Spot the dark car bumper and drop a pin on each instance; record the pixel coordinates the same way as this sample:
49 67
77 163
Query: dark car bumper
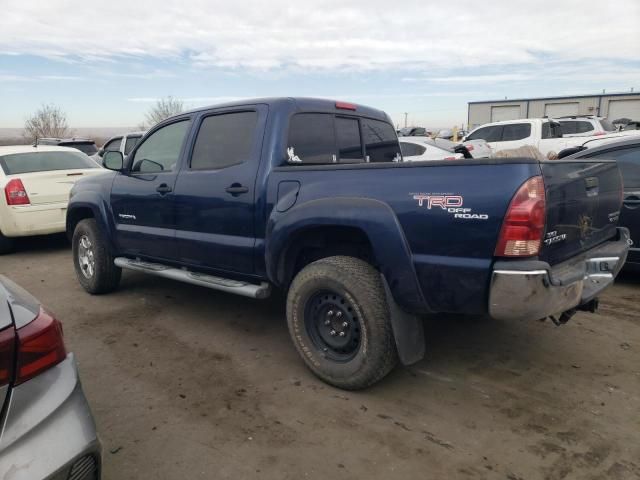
529 290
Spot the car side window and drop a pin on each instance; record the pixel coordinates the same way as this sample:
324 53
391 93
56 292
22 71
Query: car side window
312 139
380 141
224 140
160 151
568 127
130 143
628 160
516 131
113 145
492 133
411 149
583 127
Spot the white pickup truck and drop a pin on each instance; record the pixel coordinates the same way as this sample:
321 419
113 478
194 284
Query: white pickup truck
543 133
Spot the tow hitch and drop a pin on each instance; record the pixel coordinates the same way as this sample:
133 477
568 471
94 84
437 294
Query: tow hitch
590 306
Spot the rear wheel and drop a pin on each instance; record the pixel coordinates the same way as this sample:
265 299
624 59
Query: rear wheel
338 319
93 263
6 244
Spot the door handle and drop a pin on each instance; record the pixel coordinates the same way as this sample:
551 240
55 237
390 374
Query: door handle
632 201
236 189
163 189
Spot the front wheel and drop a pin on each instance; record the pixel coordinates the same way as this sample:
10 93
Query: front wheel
339 321
93 263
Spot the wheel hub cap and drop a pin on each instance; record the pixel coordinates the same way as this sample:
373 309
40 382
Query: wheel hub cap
86 259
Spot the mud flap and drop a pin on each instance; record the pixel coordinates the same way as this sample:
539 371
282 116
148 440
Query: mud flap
408 331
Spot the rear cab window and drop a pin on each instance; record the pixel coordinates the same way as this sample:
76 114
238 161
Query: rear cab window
324 138
19 163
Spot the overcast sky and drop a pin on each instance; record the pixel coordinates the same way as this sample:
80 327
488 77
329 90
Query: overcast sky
105 63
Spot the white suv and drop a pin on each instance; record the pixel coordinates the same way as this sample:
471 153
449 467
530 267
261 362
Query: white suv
584 126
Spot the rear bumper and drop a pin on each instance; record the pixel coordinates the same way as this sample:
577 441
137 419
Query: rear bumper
49 432
27 220
531 290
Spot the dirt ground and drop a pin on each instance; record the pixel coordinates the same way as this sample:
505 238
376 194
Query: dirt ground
186 382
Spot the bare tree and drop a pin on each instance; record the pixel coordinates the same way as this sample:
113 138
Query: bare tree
48 121
163 109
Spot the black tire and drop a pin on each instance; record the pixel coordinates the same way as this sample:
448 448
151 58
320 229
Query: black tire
6 244
353 288
104 276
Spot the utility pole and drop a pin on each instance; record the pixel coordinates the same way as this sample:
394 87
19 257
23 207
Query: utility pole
405 119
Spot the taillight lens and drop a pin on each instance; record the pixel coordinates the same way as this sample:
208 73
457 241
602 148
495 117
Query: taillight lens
469 148
7 354
599 133
16 193
523 225
40 346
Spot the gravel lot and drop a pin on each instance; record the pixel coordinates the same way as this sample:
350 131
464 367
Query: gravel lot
186 382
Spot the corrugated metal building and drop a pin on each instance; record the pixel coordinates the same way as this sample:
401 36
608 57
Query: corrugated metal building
610 105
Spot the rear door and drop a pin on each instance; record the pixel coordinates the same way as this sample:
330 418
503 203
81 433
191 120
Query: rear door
215 191
628 159
583 205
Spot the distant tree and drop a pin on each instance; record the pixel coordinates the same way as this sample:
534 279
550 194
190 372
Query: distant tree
163 109
49 121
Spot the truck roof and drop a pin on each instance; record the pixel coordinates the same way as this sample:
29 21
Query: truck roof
299 103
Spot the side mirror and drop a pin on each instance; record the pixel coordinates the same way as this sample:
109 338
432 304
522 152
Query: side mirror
101 152
113 161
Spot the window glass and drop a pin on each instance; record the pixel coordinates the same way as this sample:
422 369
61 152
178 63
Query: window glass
85 147
44 162
516 131
312 138
113 145
488 134
160 151
224 140
411 149
349 143
628 162
583 127
568 127
381 142
130 143
419 132
551 130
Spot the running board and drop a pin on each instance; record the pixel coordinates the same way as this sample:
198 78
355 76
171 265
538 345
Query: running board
217 283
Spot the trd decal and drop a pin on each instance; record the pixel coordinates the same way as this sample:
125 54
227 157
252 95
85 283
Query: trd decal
449 203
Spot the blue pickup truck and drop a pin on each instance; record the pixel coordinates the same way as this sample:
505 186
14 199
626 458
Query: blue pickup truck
311 197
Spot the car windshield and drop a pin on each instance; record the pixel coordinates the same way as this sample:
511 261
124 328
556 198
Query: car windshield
18 163
85 147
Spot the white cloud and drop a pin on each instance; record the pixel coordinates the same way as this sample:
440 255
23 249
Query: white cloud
359 35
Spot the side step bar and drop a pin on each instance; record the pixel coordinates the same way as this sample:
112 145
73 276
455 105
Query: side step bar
217 283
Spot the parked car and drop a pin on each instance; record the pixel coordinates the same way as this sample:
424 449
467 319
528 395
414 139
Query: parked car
35 182
447 134
585 125
627 154
309 196
85 145
542 133
119 143
419 149
413 132
594 142
47 427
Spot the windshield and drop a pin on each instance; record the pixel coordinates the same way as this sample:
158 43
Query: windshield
44 161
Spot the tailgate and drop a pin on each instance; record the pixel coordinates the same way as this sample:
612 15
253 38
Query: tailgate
583 204
53 186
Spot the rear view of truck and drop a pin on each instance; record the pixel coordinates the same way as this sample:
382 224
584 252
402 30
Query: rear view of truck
559 245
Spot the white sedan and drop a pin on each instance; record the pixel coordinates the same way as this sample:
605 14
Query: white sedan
36 182
416 149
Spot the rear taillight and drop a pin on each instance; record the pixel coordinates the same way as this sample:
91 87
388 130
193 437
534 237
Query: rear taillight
523 225
7 354
599 133
469 147
40 346
16 193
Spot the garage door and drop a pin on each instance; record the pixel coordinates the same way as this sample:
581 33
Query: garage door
555 110
624 109
505 112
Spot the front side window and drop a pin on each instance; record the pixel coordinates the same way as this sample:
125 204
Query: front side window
312 138
113 145
18 163
551 130
349 142
130 143
516 131
224 140
381 142
492 133
160 152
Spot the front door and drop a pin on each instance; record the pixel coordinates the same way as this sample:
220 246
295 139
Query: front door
215 192
142 199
